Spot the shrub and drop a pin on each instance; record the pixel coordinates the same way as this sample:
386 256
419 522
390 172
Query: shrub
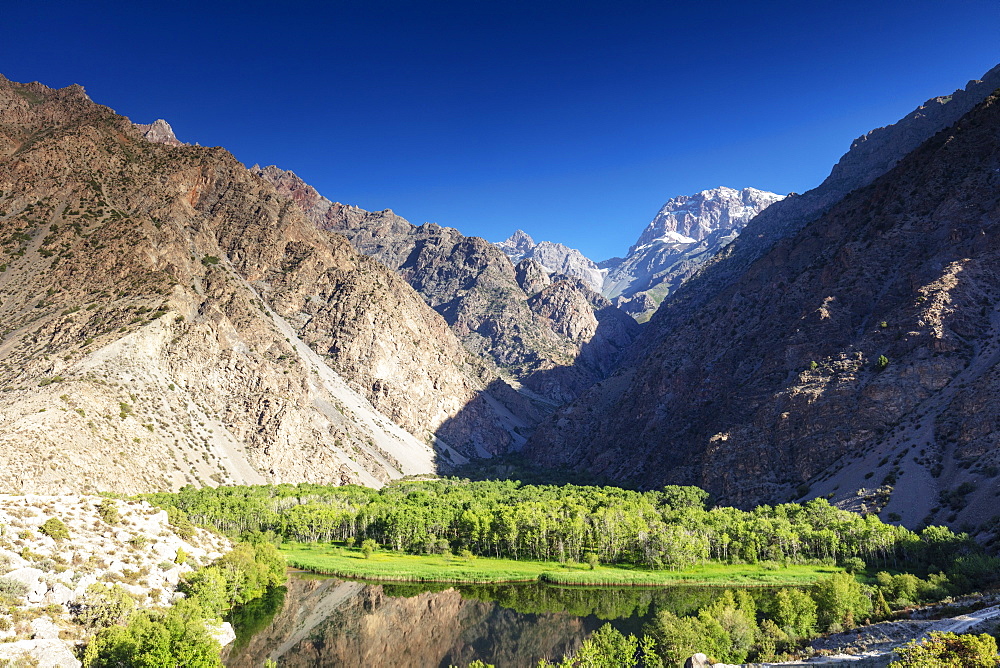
853 565
881 363
174 637
12 588
949 650
368 546
55 529
108 510
103 606
209 260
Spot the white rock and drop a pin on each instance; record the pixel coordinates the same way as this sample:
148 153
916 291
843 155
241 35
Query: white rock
44 628
60 594
46 653
223 632
12 559
29 576
173 576
32 577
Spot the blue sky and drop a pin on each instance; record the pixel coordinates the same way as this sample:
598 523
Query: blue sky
574 121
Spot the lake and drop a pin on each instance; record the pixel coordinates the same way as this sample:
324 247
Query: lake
322 621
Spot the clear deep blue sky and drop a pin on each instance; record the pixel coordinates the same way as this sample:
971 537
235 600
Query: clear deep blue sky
572 120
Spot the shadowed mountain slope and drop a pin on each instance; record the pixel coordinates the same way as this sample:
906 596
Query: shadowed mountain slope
857 357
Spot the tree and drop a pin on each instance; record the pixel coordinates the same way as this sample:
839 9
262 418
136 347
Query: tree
607 648
208 587
840 599
156 639
949 650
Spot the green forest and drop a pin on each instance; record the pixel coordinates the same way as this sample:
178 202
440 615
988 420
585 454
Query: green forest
672 528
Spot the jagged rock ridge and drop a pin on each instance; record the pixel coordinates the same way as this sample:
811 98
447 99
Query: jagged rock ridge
858 357
167 317
548 335
555 258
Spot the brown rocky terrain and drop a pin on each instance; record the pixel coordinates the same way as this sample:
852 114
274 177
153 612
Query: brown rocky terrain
168 317
855 359
551 335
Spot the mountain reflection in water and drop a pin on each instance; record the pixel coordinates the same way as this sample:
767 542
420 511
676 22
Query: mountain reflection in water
319 621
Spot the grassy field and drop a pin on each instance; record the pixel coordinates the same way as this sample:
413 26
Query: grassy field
393 566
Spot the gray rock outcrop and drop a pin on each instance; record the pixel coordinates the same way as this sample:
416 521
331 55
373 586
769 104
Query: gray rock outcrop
554 258
160 132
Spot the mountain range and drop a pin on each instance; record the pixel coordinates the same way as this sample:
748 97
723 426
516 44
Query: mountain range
169 316
686 233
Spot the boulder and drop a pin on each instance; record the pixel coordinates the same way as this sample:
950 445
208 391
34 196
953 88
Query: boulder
44 653
32 577
223 632
44 628
60 594
699 660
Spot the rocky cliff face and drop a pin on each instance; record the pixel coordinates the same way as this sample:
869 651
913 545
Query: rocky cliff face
856 358
686 233
555 259
505 315
167 317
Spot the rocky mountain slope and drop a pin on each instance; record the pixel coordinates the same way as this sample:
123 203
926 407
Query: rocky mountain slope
855 358
168 317
686 233
549 336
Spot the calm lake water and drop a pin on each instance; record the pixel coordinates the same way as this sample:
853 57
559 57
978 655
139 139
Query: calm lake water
320 621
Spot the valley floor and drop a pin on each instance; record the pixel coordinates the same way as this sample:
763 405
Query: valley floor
395 566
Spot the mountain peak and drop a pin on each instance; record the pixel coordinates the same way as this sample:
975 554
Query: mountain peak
159 132
520 242
555 258
699 215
